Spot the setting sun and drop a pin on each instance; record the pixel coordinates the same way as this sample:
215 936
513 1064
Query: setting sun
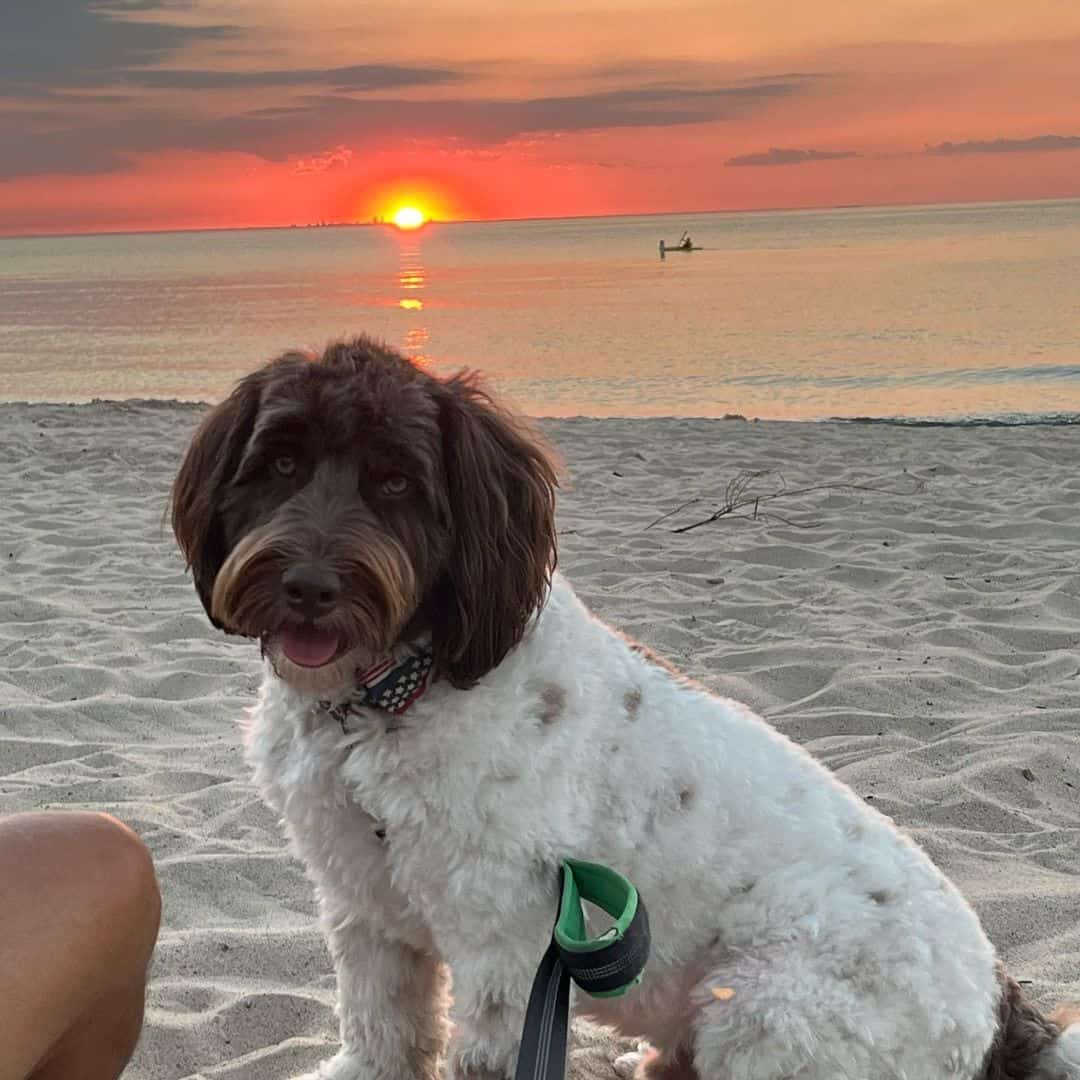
410 200
409 217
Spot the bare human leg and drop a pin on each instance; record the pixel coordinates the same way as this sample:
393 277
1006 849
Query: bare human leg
79 912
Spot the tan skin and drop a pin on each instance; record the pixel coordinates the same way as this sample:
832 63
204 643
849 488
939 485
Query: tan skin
79 912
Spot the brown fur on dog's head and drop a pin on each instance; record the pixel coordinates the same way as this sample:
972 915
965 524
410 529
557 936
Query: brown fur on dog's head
431 507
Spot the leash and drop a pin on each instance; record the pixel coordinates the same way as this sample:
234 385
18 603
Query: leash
604 967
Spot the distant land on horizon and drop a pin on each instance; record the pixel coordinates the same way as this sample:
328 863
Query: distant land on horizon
14 235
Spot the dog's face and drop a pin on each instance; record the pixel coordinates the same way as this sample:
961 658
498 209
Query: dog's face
331 507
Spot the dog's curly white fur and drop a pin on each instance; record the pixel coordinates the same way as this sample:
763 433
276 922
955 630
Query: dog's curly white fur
797 934
849 954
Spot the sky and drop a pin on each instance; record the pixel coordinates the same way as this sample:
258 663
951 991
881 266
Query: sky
161 114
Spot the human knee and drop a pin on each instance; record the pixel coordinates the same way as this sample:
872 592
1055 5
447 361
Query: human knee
117 870
128 862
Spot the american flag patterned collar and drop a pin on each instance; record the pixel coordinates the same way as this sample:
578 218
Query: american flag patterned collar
393 684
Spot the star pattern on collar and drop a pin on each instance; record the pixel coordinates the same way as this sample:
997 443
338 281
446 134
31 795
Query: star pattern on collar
394 684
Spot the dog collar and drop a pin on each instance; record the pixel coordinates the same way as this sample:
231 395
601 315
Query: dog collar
394 684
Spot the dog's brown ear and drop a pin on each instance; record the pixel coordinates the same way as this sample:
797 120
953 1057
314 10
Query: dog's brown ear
502 501
211 460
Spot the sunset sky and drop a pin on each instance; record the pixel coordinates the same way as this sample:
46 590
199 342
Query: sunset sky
155 114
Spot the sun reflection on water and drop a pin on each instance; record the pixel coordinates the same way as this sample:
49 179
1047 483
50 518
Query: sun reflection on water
411 280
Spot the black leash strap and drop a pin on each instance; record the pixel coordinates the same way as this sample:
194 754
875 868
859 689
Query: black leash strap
606 966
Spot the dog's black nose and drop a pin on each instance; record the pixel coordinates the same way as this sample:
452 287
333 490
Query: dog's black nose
310 589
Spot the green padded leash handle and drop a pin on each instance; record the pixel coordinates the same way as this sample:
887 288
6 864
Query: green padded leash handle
606 966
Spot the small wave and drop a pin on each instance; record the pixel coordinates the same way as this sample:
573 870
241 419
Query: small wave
1003 420
948 377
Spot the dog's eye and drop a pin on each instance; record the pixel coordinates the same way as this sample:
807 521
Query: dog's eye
284 465
395 484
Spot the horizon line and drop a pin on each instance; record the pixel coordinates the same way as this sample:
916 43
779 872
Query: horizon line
535 218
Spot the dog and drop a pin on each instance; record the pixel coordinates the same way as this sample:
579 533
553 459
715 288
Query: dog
441 722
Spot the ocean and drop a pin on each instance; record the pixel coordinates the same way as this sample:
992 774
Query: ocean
952 313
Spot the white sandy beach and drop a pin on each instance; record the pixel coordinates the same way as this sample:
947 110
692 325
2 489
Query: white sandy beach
925 645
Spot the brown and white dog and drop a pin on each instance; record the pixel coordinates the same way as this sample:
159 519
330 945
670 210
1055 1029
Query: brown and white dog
442 722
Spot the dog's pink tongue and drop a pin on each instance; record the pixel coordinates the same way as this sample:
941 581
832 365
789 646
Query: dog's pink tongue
309 647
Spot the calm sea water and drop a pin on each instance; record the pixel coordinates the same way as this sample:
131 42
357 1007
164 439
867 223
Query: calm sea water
952 312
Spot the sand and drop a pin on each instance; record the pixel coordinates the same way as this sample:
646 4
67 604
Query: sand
923 643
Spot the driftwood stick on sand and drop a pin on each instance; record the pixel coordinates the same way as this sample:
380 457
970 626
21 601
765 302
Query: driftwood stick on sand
740 493
672 513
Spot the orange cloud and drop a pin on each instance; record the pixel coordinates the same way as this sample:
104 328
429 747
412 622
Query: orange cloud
167 116
337 158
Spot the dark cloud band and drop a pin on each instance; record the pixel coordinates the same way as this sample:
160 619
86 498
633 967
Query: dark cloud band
780 156
1006 146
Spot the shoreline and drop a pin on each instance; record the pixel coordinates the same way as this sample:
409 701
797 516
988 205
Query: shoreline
1018 420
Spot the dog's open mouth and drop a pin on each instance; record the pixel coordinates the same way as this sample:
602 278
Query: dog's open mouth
312 658
308 646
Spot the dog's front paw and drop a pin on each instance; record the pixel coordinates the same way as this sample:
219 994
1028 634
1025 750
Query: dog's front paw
346 1065
477 1062
342 1066
459 1072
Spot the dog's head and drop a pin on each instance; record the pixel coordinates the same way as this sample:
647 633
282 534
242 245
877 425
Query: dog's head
333 506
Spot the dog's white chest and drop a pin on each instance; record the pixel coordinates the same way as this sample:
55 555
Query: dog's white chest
302 766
